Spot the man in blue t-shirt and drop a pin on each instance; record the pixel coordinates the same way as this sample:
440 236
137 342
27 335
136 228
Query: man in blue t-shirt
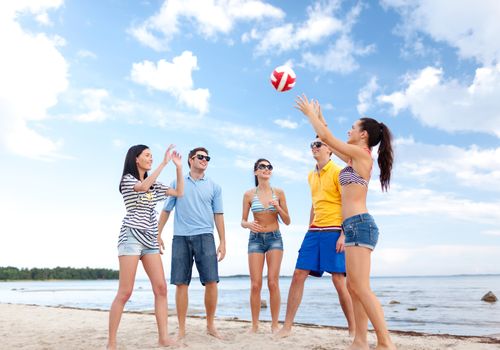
193 241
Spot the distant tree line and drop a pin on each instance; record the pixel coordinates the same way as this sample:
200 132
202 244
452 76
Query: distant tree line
58 273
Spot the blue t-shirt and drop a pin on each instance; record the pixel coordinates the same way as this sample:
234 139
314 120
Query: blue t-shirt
194 211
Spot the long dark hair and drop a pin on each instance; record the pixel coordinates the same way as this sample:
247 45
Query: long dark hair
380 133
255 168
130 165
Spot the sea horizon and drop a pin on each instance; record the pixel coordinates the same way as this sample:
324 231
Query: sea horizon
449 304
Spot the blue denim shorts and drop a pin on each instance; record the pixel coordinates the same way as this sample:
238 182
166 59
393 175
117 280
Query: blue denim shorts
133 247
360 230
262 242
318 253
199 249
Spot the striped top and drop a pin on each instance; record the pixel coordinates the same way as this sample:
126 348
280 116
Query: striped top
257 205
141 213
350 176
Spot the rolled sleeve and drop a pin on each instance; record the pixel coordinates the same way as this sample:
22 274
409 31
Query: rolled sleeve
217 201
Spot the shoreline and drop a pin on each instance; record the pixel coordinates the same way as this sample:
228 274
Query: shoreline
62 327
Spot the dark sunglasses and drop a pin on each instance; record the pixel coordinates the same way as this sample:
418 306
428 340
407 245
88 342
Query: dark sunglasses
201 157
316 144
264 166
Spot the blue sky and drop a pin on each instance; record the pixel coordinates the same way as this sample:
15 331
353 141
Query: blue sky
83 81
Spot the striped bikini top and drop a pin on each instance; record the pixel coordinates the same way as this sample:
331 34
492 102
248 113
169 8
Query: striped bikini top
350 176
257 205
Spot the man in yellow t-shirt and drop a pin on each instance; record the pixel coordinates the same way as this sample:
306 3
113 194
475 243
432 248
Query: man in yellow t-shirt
322 249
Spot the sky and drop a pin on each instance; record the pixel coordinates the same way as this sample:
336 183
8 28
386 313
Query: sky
82 81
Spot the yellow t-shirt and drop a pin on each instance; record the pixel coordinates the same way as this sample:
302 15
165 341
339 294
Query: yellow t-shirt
326 195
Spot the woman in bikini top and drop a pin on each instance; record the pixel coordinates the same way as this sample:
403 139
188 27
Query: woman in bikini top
264 243
359 227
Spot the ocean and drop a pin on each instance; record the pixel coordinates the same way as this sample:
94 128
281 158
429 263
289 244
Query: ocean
435 304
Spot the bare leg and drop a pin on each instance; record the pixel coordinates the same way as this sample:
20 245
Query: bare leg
255 266
358 270
339 282
181 303
154 268
210 306
294 299
274 258
128 268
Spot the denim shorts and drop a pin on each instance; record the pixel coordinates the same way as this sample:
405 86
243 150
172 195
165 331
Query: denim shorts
199 249
318 253
133 247
262 242
360 230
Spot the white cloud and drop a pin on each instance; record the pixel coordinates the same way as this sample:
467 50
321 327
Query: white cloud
469 26
286 123
338 58
319 25
174 78
450 105
470 167
365 96
32 69
93 102
491 232
422 201
209 18
86 54
322 24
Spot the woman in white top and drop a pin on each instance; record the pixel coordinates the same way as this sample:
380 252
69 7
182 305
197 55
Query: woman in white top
138 238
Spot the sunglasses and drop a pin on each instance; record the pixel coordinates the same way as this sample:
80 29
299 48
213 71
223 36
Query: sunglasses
264 166
316 144
201 157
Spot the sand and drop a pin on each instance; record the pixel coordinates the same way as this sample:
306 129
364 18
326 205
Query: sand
39 327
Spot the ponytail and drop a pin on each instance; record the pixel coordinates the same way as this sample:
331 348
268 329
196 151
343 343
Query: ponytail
380 133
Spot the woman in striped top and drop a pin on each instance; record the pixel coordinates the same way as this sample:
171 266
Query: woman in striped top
138 238
361 232
265 242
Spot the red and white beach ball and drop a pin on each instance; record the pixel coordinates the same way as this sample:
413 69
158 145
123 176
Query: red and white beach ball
283 78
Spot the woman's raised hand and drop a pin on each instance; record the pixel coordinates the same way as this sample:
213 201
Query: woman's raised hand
309 108
177 159
168 156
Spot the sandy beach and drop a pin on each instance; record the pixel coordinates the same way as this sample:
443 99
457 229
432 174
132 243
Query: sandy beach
38 327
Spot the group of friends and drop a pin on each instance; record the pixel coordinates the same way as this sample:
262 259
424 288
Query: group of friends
340 239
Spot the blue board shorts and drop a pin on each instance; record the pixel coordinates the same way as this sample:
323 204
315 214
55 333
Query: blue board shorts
360 231
318 253
199 249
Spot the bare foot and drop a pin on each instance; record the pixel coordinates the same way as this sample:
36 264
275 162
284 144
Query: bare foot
180 335
111 346
386 347
214 332
253 330
275 329
358 346
167 342
283 332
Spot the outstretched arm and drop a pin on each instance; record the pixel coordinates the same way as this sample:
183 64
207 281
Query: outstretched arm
178 191
310 110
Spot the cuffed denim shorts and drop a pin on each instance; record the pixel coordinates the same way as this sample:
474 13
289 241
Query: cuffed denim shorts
199 249
133 247
318 253
360 230
262 242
